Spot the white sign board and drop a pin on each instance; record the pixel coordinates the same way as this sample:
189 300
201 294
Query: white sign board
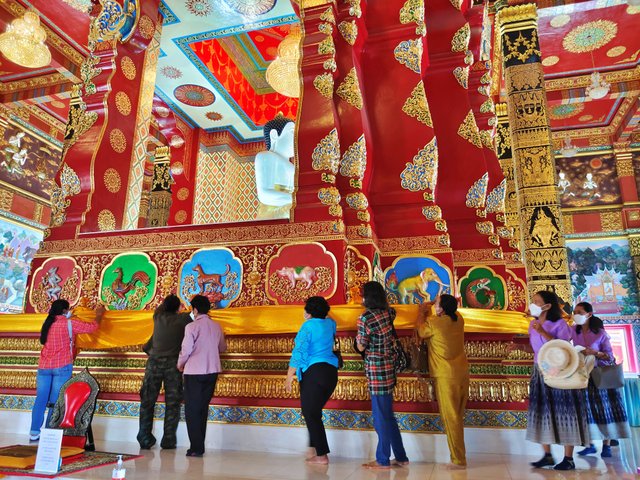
48 456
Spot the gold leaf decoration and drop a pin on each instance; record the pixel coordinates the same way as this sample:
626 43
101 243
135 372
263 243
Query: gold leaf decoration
462 76
487 141
106 221
478 192
460 40
409 54
469 130
324 84
327 16
349 89
326 155
326 47
457 4
325 28
487 106
354 160
417 106
357 201
413 11
349 31
486 78
432 213
422 173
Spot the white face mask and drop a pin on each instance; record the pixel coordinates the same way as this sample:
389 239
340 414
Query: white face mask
535 310
68 314
193 317
580 319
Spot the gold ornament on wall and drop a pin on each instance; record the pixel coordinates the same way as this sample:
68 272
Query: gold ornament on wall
590 36
128 68
326 155
460 40
183 194
409 54
123 104
326 47
422 173
69 186
417 106
117 140
323 83
23 42
180 216
106 221
146 27
413 12
349 90
478 192
112 181
349 31
469 130
354 160
462 76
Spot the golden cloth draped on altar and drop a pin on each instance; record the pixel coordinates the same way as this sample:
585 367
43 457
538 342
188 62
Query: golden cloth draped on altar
132 327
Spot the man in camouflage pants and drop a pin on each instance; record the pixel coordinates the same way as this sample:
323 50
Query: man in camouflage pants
163 349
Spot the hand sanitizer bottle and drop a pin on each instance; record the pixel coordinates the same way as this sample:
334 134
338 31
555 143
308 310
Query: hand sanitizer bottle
119 472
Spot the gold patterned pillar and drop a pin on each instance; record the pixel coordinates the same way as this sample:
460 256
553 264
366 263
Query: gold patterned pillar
545 254
160 197
634 246
507 165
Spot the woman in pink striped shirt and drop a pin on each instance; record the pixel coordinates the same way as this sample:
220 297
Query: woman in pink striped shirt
199 360
56 359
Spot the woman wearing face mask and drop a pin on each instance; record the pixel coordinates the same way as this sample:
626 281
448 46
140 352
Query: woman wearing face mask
199 360
56 359
316 367
606 414
555 416
444 333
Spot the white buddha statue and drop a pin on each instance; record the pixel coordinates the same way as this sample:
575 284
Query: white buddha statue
275 173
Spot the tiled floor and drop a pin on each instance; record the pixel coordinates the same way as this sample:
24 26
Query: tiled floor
172 464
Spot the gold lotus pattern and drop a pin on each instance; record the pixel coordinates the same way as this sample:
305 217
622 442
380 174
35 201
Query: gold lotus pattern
354 160
409 54
326 155
422 173
469 130
349 31
417 106
478 192
323 83
349 89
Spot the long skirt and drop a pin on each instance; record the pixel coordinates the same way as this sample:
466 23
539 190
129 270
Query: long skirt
556 416
606 414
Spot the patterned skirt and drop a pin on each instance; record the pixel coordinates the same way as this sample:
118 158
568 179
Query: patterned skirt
606 414
556 416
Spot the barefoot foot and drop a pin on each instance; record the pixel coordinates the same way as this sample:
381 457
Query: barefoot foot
318 460
376 466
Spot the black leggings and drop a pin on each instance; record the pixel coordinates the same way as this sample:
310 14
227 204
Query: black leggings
316 387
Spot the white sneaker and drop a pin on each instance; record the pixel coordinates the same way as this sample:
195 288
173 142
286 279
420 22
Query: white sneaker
34 438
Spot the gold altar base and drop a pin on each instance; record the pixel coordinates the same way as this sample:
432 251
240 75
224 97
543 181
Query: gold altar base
257 359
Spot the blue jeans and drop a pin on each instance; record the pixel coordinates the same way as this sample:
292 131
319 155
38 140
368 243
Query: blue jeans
49 381
384 421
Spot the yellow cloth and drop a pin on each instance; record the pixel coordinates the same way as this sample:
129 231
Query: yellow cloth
24 456
133 327
445 342
452 400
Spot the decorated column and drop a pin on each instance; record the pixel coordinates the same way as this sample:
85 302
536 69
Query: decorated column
535 173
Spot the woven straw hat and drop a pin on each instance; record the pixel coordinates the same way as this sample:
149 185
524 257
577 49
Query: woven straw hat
558 359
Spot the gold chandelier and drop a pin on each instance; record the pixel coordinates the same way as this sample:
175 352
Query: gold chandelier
283 73
23 42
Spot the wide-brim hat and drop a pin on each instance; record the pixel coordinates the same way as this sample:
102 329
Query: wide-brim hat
558 359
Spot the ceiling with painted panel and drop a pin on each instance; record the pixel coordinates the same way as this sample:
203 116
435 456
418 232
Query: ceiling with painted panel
577 39
214 55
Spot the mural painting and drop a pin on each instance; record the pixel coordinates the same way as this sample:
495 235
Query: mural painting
215 273
300 271
57 277
19 244
481 287
417 279
588 180
602 274
27 162
128 282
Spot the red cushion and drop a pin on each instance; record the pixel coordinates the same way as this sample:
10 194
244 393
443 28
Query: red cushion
69 441
74 397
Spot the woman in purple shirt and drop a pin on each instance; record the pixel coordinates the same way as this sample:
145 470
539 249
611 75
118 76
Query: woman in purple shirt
199 360
555 416
605 410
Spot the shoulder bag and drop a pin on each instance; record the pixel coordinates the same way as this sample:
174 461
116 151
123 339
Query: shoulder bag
401 359
337 353
418 353
608 377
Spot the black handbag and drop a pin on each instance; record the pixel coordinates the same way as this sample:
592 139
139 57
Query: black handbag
337 353
608 377
401 359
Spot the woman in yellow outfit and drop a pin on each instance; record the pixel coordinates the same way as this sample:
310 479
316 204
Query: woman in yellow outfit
444 333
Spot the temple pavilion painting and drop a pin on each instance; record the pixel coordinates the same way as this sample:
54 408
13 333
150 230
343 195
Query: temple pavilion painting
19 244
602 274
